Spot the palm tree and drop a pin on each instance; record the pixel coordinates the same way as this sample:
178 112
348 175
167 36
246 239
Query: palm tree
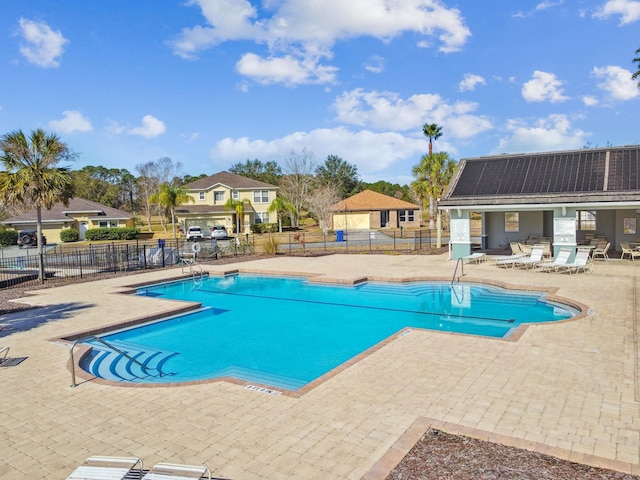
282 206
238 206
30 175
432 174
434 132
171 197
636 76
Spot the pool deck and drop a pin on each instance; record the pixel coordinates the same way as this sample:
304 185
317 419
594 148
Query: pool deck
570 389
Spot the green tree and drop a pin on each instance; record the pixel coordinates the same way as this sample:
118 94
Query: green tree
386 188
170 198
434 132
338 173
269 172
31 174
636 76
238 206
432 175
281 206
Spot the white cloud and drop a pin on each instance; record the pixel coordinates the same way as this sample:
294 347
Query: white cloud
72 121
371 152
546 134
299 33
388 111
114 128
589 100
151 128
287 70
543 86
629 10
616 82
375 64
470 81
42 46
547 4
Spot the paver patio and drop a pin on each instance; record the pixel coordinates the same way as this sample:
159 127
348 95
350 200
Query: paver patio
569 389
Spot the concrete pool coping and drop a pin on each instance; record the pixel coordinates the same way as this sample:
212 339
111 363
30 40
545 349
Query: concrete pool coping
570 389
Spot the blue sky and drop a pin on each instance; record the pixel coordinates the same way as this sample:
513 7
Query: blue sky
210 83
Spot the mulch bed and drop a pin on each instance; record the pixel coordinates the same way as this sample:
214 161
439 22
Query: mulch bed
439 455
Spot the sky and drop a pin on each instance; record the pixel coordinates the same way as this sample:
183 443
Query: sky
210 83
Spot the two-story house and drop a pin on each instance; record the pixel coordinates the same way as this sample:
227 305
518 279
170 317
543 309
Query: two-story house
211 194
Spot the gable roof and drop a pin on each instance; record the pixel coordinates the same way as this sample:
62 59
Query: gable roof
576 176
369 200
227 179
60 213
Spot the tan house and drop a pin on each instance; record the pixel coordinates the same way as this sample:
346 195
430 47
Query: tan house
371 210
210 195
80 214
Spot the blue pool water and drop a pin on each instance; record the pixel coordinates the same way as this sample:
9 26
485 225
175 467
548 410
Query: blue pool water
286 332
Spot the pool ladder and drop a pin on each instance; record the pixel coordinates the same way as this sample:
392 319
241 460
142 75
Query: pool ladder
109 346
195 269
459 262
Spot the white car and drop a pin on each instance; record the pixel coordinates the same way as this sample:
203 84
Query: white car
194 234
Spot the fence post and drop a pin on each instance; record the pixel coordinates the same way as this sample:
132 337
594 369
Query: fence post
79 261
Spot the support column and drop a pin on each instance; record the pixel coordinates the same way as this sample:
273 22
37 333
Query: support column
564 230
460 234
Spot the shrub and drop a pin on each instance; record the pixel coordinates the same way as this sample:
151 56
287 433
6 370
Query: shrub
264 227
119 233
69 235
8 236
270 245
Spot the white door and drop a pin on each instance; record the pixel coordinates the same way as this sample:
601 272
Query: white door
84 226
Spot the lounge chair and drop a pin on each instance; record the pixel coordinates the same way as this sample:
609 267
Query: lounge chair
561 259
106 468
582 261
475 258
4 350
173 471
601 251
536 257
627 250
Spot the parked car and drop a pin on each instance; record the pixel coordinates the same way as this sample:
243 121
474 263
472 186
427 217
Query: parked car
29 238
194 234
218 231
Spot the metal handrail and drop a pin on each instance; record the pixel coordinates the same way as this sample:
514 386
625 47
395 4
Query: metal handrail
460 261
108 345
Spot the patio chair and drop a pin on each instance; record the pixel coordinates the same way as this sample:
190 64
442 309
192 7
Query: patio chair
4 350
561 259
534 258
627 250
174 471
601 251
106 468
582 262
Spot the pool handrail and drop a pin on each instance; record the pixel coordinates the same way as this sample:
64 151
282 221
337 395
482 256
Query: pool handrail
460 261
111 347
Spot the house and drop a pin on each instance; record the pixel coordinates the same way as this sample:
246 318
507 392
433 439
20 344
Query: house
369 209
80 214
567 196
210 195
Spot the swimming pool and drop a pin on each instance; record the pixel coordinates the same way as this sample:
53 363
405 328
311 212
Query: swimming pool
287 332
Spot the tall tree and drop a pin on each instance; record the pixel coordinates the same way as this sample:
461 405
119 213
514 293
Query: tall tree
269 172
238 206
636 76
31 174
335 171
432 175
169 197
320 203
434 132
281 206
298 179
152 175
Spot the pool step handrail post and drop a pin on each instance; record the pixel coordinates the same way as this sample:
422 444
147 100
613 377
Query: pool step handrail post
459 262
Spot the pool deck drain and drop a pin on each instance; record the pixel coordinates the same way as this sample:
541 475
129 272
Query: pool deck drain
569 389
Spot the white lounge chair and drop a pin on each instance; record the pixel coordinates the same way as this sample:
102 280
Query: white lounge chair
627 250
601 251
475 258
561 259
106 468
537 253
174 471
4 350
582 261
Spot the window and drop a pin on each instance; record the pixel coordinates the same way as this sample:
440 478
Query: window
218 196
235 194
261 196
586 220
406 215
511 222
203 195
261 217
107 224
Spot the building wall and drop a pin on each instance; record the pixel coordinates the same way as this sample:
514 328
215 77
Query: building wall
351 221
531 223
